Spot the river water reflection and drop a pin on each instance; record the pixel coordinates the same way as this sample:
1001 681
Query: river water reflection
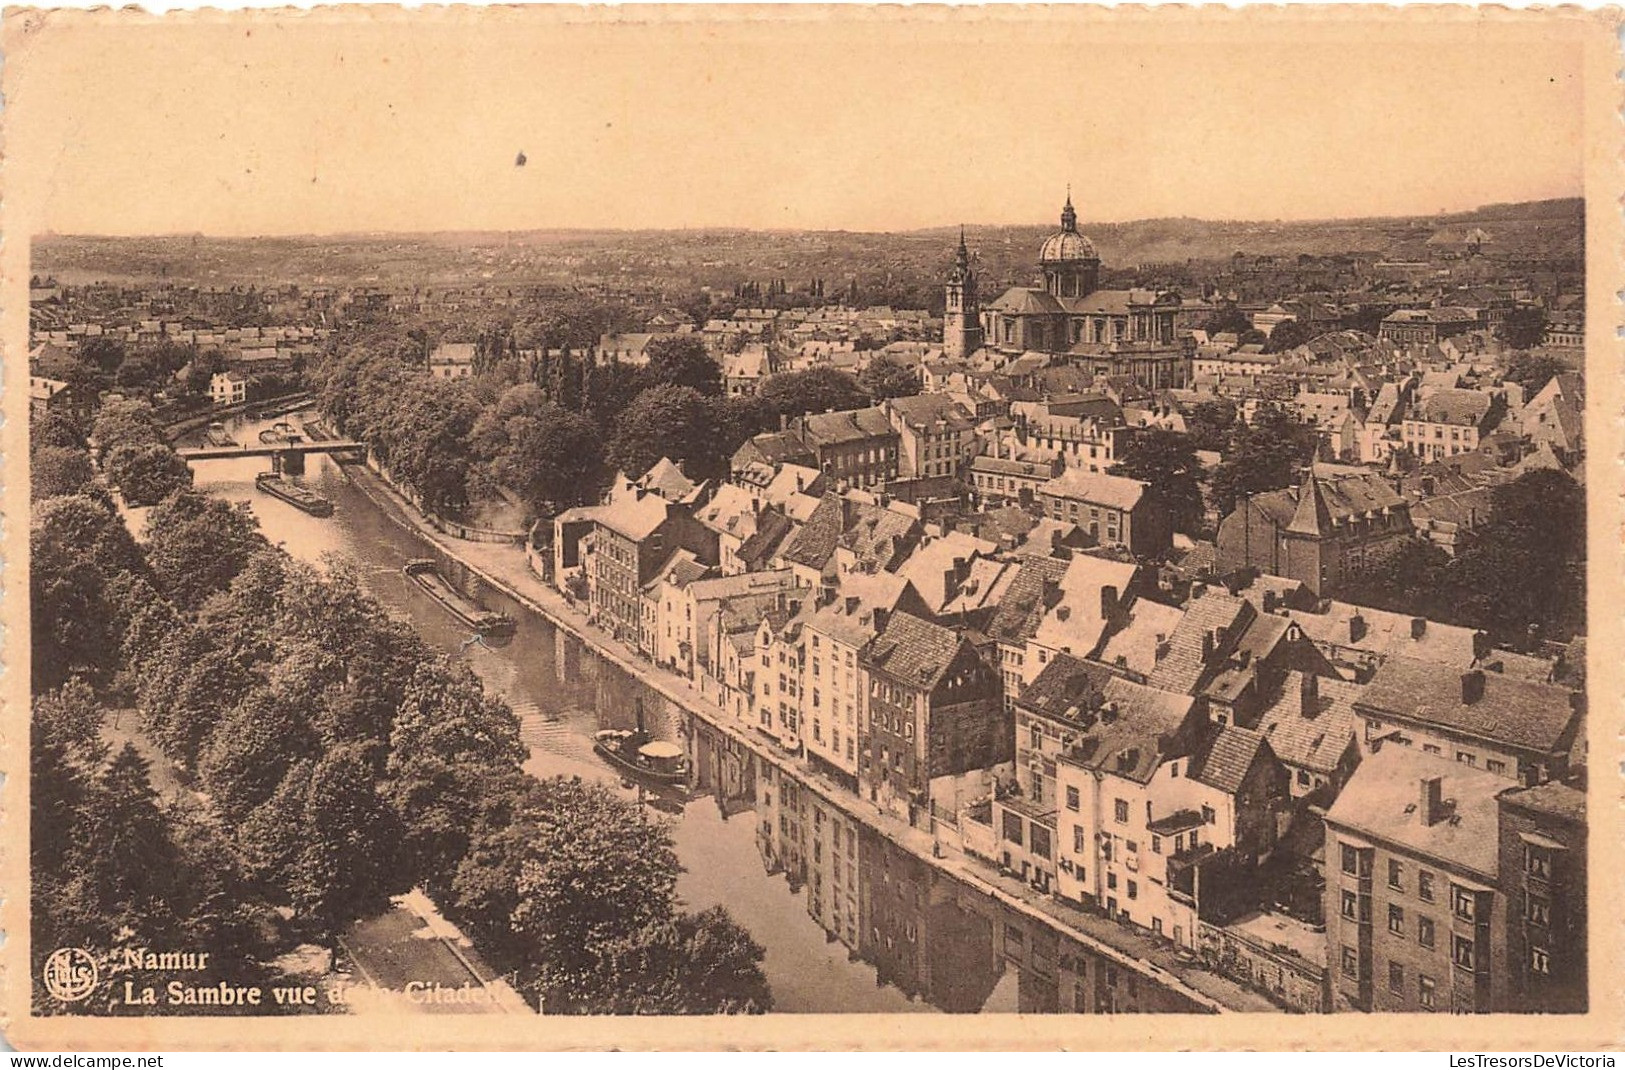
850 923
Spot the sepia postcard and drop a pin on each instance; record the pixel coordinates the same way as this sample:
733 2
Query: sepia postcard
812 527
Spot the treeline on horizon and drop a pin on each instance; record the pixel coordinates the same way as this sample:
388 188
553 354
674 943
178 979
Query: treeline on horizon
313 758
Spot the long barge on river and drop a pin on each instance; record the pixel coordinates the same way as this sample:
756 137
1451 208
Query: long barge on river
301 498
426 574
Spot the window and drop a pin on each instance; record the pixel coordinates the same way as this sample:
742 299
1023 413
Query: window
1072 799
1537 862
1426 991
1538 910
1133 890
1424 931
1461 951
1208 816
1396 977
1351 860
1037 736
1463 903
1466 758
1111 881
1540 961
1351 962
1396 874
1396 919
1431 748
1495 766
1120 811
1424 885
1351 904
1156 845
1012 827
1077 841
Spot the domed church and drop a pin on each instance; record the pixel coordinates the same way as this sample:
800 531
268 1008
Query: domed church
1110 332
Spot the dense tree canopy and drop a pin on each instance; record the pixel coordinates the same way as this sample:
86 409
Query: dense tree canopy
884 378
813 390
1166 461
667 421
146 475
1524 327
1288 334
1520 577
682 360
1269 454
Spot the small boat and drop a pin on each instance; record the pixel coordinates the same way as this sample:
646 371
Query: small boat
639 755
287 490
217 435
426 574
279 434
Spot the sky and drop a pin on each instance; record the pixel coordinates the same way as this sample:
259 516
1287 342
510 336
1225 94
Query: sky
857 120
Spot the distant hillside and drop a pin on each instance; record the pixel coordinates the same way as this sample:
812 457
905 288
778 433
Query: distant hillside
720 258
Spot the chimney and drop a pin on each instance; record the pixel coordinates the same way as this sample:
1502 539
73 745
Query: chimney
1309 692
1356 628
1419 627
1472 686
851 604
784 421
1207 646
1163 646
881 618
1108 602
1430 808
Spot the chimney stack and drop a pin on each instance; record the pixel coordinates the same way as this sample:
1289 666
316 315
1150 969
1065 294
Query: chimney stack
1309 693
1356 628
1108 602
1430 808
1419 627
1472 686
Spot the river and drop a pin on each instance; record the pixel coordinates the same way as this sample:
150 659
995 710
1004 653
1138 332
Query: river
847 924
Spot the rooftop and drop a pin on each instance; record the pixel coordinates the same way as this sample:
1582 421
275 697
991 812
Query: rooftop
1510 711
1383 800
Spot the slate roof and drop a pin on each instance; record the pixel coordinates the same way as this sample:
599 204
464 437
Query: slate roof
1387 634
772 527
1136 641
1181 670
1459 408
1066 685
1096 488
680 570
1512 712
853 425
1381 801
814 543
1552 799
928 566
1313 737
923 411
635 517
1223 758
877 534
913 651
1143 732
1025 301
1019 614
1343 498
780 447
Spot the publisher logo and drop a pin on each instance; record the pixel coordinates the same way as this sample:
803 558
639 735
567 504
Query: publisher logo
70 974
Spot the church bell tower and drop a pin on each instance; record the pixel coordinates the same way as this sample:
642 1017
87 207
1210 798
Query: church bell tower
962 314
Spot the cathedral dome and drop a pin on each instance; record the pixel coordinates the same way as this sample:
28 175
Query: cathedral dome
1067 245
